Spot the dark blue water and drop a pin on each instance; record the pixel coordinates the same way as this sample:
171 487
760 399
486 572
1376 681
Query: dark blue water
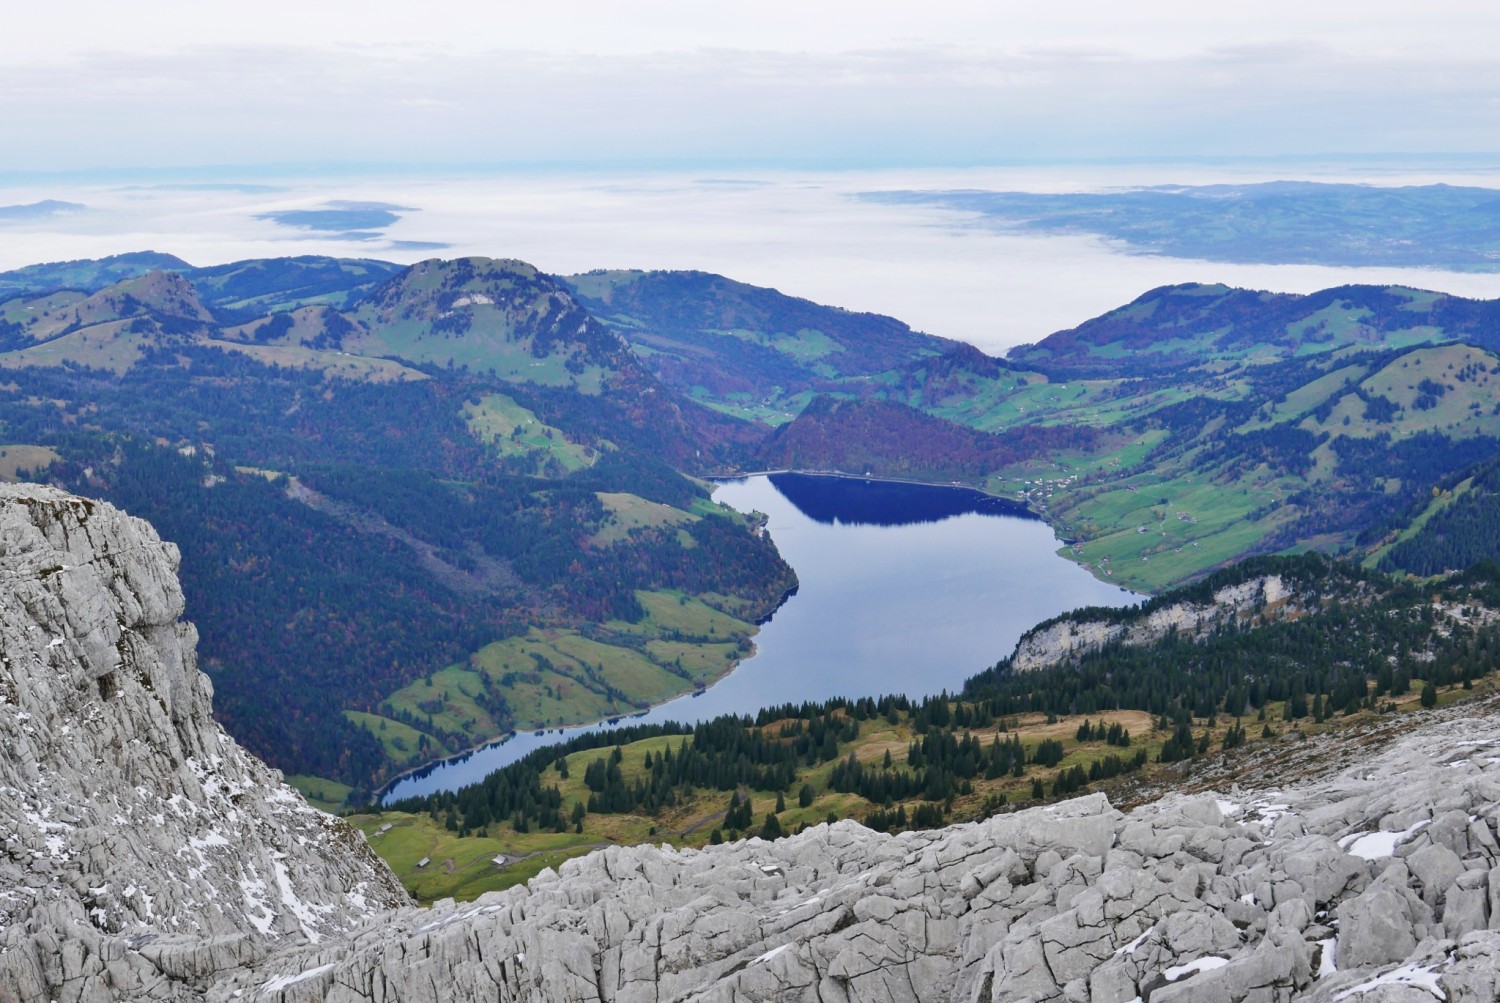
903 589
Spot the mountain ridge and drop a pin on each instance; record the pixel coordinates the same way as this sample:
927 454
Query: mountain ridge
1332 438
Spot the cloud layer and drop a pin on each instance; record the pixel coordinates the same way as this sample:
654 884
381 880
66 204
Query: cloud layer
675 83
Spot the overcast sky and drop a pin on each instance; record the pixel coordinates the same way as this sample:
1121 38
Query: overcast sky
102 85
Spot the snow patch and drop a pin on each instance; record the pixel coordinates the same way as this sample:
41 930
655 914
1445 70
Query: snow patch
306 916
280 982
1326 967
1265 812
1206 964
214 838
1407 975
770 954
1379 845
254 891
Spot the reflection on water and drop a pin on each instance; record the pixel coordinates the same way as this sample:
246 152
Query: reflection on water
903 589
861 501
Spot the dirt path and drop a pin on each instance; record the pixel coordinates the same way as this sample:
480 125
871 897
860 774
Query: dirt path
702 822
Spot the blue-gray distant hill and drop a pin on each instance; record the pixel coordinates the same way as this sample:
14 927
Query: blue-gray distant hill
86 275
37 210
1277 222
236 291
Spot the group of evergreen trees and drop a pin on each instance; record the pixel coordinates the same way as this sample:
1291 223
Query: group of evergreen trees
1363 638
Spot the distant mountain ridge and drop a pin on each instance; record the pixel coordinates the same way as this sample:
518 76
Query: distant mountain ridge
235 290
1188 325
1275 222
725 341
87 274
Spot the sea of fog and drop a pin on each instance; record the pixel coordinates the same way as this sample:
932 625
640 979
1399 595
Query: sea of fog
803 233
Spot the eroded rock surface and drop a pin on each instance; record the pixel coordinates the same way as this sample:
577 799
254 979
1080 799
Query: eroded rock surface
1378 884
1067 639
147 857
141 850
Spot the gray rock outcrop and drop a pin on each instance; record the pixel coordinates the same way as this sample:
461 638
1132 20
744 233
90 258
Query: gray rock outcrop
141 850
146 856
1066 639
1319 892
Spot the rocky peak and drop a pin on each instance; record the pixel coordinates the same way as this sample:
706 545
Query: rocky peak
166 294
482 312
127 815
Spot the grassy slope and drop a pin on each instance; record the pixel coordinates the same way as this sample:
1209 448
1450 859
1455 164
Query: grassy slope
512 430
552 677
22 457
1198 511
628 511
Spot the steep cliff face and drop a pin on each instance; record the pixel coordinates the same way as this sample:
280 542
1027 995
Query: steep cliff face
1065 639
146 857
140 847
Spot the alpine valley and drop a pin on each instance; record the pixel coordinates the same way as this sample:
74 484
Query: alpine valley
420 507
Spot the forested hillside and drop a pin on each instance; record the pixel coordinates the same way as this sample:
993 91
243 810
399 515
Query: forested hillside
752 352
886 438
1189 325
393 560
1457 525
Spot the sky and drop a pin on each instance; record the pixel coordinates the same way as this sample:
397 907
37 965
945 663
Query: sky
99 86
580 134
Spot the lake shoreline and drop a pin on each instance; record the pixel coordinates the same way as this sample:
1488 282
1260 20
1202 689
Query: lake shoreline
900 590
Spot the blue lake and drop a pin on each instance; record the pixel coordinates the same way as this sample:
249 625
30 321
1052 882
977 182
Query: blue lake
903 589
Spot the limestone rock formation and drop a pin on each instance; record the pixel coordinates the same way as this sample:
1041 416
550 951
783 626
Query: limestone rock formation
141 850
146 857
1379 884
1066 638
